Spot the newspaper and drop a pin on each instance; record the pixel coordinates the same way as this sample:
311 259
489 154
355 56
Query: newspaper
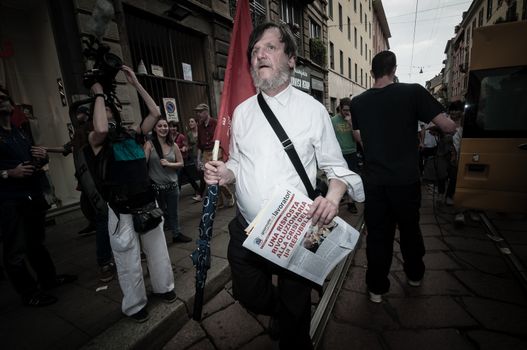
282 234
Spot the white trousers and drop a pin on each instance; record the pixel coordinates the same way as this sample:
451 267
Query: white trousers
126 249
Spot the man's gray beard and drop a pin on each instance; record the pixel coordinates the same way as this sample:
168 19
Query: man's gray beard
283 77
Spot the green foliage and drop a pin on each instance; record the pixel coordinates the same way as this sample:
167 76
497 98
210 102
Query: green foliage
317 51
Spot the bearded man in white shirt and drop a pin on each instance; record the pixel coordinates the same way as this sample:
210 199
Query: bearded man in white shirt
258 163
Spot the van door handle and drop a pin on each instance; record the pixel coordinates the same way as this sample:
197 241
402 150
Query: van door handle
523 146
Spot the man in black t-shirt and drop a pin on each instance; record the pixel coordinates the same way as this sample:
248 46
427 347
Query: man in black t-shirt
385 123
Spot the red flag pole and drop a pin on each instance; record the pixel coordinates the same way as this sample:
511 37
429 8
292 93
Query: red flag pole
237 84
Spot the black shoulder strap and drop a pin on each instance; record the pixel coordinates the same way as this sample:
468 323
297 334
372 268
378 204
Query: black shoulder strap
289 148
157 147
86 180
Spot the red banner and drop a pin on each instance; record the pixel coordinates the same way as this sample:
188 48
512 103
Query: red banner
237 85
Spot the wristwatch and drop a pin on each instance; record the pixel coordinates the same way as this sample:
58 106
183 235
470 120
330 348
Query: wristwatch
4 174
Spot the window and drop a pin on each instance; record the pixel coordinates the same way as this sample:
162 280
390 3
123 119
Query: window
489 8
365 22
355 5
331 55
480 18
366 50
349 29
355 36
349 68
340 17
341 54
369 29
370 55
361 75
258 9
366 79
330 9
361 52
333 102
355 72
497 103
291 13
360 13
314 29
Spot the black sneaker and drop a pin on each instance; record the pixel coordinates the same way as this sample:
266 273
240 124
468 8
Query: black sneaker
168 297
140 316
181 238
39 299
107 272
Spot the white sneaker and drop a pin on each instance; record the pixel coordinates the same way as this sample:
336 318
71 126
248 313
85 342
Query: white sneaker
459 219
474 216
414 283
375 298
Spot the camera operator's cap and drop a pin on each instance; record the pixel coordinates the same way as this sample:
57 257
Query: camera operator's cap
201 107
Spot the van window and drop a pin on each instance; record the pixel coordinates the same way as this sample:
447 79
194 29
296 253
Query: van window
496 103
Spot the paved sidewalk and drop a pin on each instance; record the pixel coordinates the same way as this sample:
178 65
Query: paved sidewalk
88 313
470 298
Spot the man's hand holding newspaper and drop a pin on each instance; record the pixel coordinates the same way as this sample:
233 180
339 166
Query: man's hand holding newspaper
282 233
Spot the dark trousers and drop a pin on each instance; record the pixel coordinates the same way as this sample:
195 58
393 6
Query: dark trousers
22 226
386 208
289 302
353 161
189 173
103 248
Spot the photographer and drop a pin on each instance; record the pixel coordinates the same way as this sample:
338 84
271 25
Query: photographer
122 174
23 211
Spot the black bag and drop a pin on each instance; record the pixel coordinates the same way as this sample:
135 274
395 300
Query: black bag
147 217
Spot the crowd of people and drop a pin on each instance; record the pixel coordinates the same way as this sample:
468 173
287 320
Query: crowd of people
136 169
372 146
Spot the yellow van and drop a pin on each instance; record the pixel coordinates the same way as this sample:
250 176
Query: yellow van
492 169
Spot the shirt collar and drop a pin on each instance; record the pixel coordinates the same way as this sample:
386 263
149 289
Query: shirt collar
282 97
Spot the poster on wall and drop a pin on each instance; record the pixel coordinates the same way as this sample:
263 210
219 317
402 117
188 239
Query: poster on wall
157 70
187 71
169 104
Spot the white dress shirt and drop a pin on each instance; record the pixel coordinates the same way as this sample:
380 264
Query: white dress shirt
259 162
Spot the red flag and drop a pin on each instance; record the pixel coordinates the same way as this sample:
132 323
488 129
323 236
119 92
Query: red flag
237 85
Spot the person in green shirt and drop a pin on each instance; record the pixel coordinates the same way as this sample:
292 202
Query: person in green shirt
344 132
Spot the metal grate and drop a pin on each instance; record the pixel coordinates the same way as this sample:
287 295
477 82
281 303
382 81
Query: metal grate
165 45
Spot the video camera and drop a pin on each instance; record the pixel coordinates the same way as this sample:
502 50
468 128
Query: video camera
106 65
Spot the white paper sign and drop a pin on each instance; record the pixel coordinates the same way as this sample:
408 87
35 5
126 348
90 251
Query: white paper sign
187 71
157 70
170 109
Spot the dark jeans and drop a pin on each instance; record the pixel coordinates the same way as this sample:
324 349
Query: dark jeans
353 161
189 173
386 208
22 226
289 302
103 249
169 201
87 208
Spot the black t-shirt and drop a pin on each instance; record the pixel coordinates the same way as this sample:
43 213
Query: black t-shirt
387 119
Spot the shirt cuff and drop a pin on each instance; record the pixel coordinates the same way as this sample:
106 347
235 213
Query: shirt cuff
351 179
